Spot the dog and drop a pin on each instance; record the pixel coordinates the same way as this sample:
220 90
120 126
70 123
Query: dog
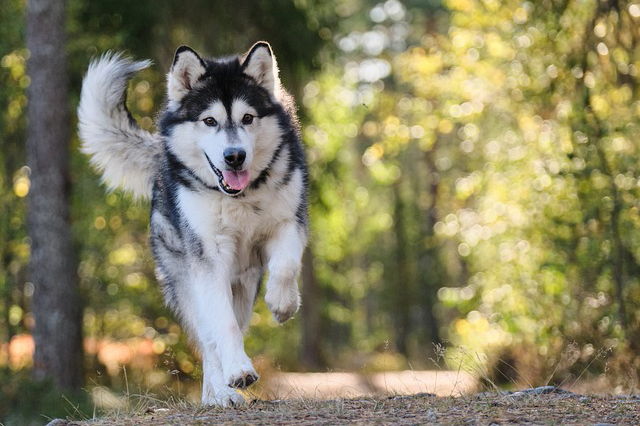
227 177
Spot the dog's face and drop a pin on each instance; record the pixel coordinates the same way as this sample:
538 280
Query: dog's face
221 120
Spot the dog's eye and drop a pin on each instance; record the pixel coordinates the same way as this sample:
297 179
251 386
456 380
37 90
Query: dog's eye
247 119
210 121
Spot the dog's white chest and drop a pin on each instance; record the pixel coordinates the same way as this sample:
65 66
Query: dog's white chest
225 225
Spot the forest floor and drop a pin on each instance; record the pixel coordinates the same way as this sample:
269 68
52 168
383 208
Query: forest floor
546 405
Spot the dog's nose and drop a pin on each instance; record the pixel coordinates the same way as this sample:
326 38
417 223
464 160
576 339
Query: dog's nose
234 157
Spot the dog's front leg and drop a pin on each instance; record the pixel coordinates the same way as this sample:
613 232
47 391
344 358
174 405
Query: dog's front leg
221 340
284 254
215 390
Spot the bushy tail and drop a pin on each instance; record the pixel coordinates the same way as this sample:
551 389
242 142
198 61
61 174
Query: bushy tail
127 155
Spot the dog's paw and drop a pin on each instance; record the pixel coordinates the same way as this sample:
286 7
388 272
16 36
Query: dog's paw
222 397
283 300
244 380
241 375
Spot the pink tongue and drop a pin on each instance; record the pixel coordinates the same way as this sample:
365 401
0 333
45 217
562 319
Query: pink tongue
236 180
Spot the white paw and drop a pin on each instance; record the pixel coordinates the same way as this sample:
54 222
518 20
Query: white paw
240 374
222 396
283 299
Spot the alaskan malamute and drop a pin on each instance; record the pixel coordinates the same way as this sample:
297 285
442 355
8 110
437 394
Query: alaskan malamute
227 177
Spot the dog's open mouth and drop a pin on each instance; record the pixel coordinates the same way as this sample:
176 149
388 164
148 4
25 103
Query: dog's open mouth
231 182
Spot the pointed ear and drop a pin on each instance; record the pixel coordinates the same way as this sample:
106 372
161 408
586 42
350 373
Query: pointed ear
186 69
260 64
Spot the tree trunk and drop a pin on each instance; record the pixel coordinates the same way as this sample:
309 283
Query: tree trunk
429 269
56 304
401 293
311 351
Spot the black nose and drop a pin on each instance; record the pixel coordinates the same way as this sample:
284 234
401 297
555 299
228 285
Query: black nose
234 157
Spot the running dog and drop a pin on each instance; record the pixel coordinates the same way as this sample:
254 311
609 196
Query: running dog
227 178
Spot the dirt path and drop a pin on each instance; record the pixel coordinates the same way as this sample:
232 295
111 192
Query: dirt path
355 385
529 407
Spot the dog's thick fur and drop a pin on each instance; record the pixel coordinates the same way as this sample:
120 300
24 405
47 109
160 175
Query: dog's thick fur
227 177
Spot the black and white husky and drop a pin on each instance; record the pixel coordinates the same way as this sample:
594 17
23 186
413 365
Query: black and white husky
227 176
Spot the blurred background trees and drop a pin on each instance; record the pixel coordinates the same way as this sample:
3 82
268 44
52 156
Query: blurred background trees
474 184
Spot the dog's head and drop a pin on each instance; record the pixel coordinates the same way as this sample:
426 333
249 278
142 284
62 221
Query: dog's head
221 120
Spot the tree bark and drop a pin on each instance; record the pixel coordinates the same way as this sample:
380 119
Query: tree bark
56 304
401 292
429 270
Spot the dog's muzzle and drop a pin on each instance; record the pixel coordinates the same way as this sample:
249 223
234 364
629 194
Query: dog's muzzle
222 183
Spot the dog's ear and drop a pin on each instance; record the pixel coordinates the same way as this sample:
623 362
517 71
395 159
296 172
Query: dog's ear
185 71
260 64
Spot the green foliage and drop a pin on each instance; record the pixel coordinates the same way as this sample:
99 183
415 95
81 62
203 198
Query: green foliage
537 184
509 180
28 402
14 180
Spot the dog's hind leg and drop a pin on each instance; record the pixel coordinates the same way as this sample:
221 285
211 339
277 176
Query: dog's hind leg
244 295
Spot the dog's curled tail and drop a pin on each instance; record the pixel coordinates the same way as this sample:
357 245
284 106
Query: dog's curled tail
126 154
